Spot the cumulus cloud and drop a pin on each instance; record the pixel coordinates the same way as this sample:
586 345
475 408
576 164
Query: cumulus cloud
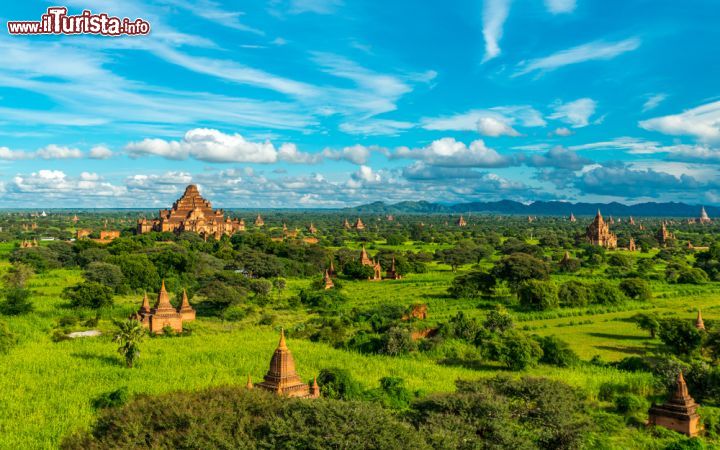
212 145
593 51
558 157
562 131
53 151
100 152
702 122
448 152
560 6
290 153
576 113
624 181
12 155
494 14
490 126
363 176
356 154
56 184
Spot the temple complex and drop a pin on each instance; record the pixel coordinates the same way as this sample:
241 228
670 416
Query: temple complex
164 314
191 213
632 221
461 222
82 233
598 233
679 413
29 244
664 236
704 218
699 323
282 379
366 261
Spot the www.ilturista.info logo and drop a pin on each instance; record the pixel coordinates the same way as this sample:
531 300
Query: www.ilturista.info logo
56 21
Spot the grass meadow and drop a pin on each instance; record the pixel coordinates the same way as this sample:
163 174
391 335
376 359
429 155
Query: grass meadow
47 387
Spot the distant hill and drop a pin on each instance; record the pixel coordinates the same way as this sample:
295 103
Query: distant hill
671 209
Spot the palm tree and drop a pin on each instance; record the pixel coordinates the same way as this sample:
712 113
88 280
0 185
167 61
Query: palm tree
130 334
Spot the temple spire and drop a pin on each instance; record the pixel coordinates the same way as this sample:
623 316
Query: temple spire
282 345
699 323
249 384
681 391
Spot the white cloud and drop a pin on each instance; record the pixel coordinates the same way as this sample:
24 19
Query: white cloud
490 126
562 131
702 122
375 127
653 101
364 175
593 51
495 13
560 6
100 152
290 153
522 115
314 6
89 176
451 153
56 184
53 151
12 155
577 113
356 154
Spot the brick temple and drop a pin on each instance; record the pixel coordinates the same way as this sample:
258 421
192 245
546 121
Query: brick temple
282 379
598 233
679 413
192 213
164 314
366 261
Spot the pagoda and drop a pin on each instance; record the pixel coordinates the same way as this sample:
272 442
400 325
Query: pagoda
461 222
359 225
282 379
346 224
598 233
327 281
664 236
164 314
311 229
572 218
704 218
631 245
259 222
191 213
392 273
632 221
366 261
679 413
699 323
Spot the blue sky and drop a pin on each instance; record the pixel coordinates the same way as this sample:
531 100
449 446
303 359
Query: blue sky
327 103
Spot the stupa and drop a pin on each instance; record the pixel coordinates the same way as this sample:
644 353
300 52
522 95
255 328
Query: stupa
282 379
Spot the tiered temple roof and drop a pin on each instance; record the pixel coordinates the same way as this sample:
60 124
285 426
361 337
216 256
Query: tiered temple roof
359 225
679 413
663 235
191 212
163 313
461 222
598 233
282 378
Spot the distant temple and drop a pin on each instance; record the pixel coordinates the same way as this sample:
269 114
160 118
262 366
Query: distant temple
311 229
346 224
704 218
282 379
392 273
109 235
572 218
598 233
192 213
29 244
359 225
632 221
327 281
259 222
366 261
664 236
390 218
631 245
699 322
679 413
164 314
461 222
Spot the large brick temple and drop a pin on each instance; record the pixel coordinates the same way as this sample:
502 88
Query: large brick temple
598 233
192 213
282 379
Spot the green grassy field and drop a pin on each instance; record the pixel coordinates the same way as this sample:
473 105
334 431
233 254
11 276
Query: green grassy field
48 386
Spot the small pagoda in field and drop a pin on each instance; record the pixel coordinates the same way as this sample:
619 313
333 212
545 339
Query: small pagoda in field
572 218
679 413
699 322
164 314
282 379
664 236
259 222
327 281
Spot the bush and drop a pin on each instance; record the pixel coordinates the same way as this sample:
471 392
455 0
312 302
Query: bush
607 294
472 285
89 295
691 275
112 399
538 295
630 404
17 302
680 336
397 340
8 340
515 350
574 293
556 352
106 274
339 384
636 289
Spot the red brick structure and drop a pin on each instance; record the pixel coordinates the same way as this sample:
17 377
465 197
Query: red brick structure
82 233
461 222
164 314
572 218
631 245
311 229
259 222
699 322
679 413
359 225
664 236
328 282
366 261
282 379
192 213
598 233
109 235
392 273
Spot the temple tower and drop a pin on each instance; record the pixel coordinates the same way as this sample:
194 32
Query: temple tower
598 233
679 413
281 378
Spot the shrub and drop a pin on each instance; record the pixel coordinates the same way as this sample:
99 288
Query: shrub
607 294
515 350
538 295
112 399
17 302
574 293
89 295
556 352
630 404
339 384
472 285
8 340
680 336
636 289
